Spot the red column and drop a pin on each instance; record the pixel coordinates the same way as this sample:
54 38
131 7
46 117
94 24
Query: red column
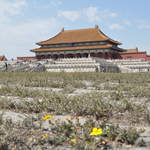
109 56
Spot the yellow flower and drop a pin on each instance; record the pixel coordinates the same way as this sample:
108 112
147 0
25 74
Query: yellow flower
47 117
143 130
45 136
73 140
30 139
96 131
79 118
69 118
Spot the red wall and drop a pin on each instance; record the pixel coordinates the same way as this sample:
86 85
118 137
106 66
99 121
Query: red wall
134 55
26 58
148 58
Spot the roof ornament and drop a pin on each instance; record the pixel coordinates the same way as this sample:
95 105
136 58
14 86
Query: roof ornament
137 48
62 30
96 26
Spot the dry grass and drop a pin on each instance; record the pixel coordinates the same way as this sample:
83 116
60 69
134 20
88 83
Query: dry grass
115 99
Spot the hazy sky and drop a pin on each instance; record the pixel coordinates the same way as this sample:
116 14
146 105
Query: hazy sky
25 22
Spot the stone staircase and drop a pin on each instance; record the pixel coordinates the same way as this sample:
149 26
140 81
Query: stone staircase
132 65
73 65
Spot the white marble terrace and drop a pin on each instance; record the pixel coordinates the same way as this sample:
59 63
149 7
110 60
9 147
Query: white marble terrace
88 64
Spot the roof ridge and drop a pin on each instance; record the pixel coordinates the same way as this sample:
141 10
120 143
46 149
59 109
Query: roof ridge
80 29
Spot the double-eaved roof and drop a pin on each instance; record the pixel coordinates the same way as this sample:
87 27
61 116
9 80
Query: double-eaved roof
77 36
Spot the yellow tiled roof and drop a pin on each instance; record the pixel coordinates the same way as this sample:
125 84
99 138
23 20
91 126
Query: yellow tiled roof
2 58
132 51
76 36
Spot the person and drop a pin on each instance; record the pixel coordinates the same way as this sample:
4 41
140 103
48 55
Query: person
96 69
6 66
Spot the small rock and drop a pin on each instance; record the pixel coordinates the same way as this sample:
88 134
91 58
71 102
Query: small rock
46 125
13 116
36 125
144 139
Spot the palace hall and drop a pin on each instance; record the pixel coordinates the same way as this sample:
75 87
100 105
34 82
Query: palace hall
79 43
84 43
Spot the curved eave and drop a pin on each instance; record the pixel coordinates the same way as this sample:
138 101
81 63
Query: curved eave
116 42
108 38
119 49
43 43
71 48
